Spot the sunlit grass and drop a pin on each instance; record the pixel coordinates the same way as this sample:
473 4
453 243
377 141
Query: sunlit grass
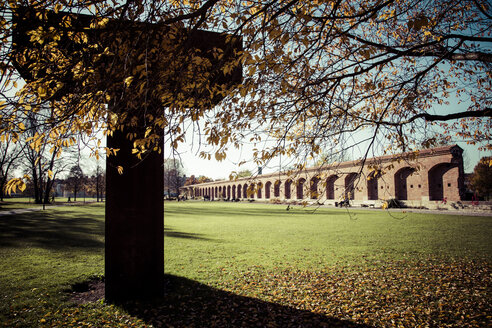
205 238
15 203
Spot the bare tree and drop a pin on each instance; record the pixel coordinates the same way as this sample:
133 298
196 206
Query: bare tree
174 176
44 161
10 154
76 180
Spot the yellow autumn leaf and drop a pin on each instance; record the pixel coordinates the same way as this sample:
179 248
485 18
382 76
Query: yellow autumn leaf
128 80
58 7
42 91
120 170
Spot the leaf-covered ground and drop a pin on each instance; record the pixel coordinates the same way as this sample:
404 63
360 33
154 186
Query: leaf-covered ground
427 293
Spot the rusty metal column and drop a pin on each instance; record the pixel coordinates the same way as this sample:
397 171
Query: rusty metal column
134 256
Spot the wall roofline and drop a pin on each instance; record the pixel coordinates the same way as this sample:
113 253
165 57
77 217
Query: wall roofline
355 163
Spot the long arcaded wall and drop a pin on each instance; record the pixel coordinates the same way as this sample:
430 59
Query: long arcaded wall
429 175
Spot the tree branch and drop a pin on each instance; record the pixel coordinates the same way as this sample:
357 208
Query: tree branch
487 112
200 12
415 52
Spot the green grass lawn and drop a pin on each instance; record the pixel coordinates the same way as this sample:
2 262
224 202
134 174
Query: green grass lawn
203 237
246 264
16 203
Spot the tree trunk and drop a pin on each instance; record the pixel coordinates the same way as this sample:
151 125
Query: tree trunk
36 186
97 187
134 253
49 185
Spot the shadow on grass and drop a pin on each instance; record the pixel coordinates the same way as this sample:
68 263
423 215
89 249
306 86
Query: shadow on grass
169 232
187 303
54 231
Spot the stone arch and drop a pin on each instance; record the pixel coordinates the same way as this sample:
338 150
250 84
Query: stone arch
350 185
245 190
224 192
436 180
233 191
276 188
287 188
300 188
373 185
330 186
401 185
313 187
229 192
268 186
259 188
216 192
239 191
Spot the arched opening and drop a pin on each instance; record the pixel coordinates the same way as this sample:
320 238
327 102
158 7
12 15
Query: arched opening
216 193
268 186
245 190
259 189
313 188
401 185
350 186
372 185
330 186
239 191
300 188
228 192
223 192
220 192
287 185
233 192
276 189
436 181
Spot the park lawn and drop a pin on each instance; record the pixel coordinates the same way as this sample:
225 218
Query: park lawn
203 237
258 265
16 203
